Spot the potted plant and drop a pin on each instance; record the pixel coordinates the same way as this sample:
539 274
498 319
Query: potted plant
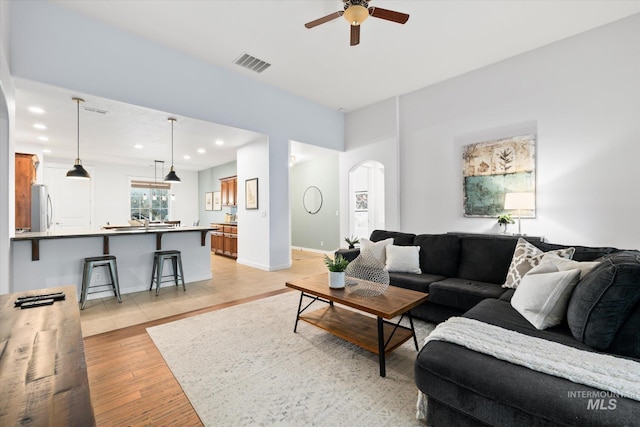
352 241
336 270
504 221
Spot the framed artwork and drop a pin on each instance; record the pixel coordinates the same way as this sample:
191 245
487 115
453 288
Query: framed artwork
217 201
208 201
362 201
251 193
491 169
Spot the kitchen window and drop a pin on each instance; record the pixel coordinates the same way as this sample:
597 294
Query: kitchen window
150 200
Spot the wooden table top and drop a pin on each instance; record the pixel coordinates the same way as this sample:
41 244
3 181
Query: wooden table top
43 374
393 302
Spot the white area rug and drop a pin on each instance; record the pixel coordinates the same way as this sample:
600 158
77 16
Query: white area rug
244 366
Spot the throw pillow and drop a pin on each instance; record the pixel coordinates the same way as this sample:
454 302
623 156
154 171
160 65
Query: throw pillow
543 295
403 259
564 264
525 257
377 249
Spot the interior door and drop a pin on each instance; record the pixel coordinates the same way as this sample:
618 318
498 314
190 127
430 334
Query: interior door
71 199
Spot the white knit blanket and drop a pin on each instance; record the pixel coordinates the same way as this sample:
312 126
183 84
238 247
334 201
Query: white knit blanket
600 371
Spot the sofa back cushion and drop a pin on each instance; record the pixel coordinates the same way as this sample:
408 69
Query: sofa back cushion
439 253
605 300
399 239
582 253
485 258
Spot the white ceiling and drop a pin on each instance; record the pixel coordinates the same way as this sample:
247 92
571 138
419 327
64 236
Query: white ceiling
442 39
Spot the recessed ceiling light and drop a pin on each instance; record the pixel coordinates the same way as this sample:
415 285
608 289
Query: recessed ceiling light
187 157
201 150
219 142
139 146
36 110
39 126
43 138
46 150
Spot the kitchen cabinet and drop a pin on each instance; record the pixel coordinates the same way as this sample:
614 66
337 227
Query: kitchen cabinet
229 191
224 241
25 176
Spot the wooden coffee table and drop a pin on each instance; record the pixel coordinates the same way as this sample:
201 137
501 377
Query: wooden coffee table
376 335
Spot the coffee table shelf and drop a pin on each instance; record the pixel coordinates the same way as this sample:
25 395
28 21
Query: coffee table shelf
356 328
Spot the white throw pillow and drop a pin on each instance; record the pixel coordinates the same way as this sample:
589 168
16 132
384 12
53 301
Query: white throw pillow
543 294
377 249
564 264
525 257
403 259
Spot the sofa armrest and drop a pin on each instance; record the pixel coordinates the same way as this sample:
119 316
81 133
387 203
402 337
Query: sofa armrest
348 254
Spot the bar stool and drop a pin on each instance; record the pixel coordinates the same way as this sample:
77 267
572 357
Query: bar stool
108 261
159 258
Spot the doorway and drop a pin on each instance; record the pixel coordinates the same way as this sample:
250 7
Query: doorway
366 198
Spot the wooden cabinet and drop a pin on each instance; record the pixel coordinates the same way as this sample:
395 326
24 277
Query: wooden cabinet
229 191
25 165
224 241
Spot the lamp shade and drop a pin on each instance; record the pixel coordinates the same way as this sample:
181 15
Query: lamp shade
356 14
78 172
172 177
520 201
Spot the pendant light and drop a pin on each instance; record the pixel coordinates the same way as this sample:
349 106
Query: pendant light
171 176
78 172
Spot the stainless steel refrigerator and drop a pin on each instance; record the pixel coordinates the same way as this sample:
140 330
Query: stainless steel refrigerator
41 208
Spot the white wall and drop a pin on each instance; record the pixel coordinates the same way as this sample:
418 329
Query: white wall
7 164
583 97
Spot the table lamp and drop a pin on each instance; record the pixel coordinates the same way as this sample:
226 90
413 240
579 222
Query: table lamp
519 201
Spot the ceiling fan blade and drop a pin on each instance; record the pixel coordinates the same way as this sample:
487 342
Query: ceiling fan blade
324 19
389 15
355 35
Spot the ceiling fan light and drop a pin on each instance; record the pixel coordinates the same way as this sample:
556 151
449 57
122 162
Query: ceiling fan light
356 14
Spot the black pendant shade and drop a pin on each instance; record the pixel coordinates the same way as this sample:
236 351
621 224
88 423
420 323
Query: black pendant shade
78 172
171 176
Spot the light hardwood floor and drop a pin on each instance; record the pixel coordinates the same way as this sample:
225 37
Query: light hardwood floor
129 381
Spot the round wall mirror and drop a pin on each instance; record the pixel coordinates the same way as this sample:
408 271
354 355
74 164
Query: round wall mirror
312 199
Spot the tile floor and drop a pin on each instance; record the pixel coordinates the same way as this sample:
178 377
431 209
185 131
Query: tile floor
231 281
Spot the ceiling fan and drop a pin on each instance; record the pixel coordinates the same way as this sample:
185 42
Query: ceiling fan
355 12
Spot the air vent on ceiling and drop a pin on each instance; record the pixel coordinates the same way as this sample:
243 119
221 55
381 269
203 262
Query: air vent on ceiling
252 63
95 110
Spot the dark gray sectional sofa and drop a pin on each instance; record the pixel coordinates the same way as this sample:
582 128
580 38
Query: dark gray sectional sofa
463 274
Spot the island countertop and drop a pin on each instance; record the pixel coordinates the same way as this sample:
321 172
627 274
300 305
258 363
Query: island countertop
49 259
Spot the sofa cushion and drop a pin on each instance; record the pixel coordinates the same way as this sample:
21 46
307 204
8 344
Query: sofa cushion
399 239
377 249
604 299
403 259
543 294
439 253
462 293
525 257
416 282
485 258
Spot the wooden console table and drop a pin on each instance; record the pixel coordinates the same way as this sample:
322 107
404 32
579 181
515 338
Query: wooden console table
43 374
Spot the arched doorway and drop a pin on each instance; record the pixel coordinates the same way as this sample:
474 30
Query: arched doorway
366 198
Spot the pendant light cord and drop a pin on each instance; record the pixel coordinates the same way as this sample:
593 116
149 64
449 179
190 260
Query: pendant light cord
78 136
172 142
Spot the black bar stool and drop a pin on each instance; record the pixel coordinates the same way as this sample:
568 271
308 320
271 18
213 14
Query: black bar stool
108 261
159 258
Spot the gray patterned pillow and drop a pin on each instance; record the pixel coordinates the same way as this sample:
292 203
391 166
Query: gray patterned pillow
525 257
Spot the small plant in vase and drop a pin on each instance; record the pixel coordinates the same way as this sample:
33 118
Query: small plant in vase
352 241
504 221
336 268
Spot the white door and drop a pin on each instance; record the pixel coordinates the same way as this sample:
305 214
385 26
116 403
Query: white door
71 200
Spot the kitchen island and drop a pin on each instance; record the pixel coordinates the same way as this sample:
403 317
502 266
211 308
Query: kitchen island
49 259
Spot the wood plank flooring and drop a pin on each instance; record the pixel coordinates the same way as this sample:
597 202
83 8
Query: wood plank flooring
131 385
